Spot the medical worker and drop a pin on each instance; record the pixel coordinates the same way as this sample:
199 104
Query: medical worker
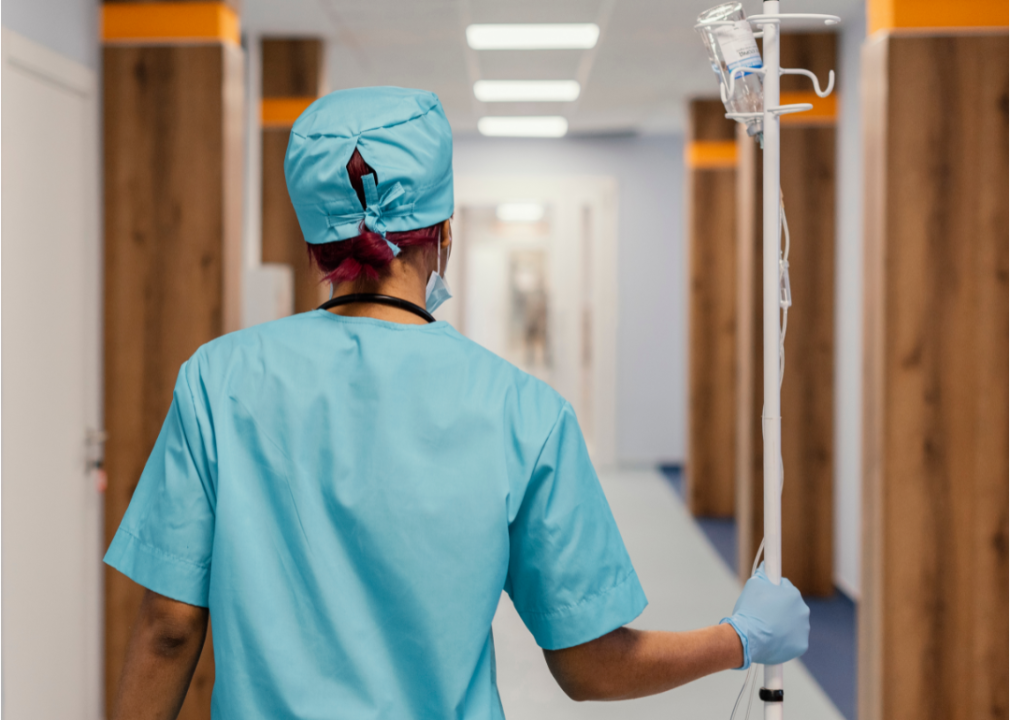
346 492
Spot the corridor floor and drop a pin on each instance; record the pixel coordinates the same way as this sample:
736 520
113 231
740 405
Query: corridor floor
688 586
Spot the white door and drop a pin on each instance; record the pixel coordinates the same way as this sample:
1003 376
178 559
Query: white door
51 511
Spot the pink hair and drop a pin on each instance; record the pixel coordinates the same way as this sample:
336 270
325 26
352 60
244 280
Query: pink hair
367 256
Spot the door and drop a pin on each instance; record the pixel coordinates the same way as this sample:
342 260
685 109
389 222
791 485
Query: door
51 510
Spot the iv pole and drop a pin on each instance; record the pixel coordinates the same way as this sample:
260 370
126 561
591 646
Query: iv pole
772 693
767 23
771 422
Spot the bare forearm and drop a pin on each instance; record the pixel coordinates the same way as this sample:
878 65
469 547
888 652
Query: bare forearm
160 661
630 663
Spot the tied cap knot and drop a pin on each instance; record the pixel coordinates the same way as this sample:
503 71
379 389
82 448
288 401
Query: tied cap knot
377 211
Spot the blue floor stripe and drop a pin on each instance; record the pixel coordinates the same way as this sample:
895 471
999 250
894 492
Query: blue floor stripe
831 658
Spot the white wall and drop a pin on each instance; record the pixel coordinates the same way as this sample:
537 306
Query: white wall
69 27
848 313
651 273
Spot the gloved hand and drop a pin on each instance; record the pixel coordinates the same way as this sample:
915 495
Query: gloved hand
772 621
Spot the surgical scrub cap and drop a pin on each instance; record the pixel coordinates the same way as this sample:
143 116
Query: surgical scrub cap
401 133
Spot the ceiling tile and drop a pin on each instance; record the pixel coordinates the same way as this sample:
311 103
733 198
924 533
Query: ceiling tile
647 63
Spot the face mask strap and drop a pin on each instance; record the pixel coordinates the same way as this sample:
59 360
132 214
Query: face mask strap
448 251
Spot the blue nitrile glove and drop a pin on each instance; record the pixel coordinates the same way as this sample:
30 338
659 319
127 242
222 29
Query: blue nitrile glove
772 621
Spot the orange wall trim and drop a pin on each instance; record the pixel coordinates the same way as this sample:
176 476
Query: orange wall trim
884 15
169 23
710 154
825 110
283 111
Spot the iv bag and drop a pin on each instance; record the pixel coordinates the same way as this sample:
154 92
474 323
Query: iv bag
730 42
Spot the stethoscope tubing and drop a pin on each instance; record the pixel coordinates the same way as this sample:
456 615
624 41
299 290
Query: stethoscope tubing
379 300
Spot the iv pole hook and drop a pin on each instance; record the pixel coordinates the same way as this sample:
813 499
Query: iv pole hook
813 78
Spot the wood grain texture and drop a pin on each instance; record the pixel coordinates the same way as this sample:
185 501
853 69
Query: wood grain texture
933 619
712 321
748 455
291 68
816 52
283 241
808 188
172 175
707 120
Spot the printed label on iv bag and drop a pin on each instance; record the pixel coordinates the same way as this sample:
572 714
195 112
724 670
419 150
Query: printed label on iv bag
739 48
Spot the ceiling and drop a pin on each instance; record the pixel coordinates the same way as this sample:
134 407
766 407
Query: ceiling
647 62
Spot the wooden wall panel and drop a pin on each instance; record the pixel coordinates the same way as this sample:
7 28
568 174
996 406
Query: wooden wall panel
933 615
817 52
172 203
283 241
748 352
808 189
292 68
711 318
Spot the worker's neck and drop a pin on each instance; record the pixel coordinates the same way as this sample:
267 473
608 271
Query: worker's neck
406 280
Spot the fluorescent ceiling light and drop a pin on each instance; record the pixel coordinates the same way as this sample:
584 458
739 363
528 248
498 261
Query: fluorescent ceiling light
520 212
530 36
515 126
526 90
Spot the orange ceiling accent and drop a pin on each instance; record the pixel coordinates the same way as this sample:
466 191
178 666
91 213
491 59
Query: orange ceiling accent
884 15
710 154
169 23
825 110
283 111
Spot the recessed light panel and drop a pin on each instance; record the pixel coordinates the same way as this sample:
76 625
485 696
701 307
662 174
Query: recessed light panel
532 36
526 90
552 126
520 212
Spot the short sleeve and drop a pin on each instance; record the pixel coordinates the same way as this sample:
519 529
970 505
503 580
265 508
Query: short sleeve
569 577
165 539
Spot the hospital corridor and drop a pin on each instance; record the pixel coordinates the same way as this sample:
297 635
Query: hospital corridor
430 359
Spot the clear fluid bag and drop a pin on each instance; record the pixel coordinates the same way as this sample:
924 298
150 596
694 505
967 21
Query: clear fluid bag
731 44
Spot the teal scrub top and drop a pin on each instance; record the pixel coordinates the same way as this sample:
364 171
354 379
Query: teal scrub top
350 497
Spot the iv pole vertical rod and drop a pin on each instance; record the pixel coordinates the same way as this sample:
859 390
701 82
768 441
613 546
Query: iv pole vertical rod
772 420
